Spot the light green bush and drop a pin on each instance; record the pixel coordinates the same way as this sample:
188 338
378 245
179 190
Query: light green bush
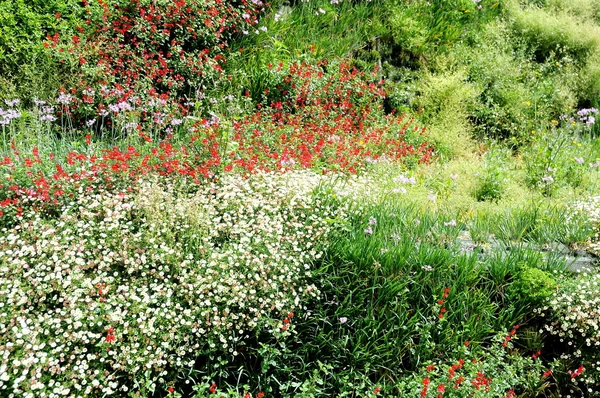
547 31
445 99
532 285
587 9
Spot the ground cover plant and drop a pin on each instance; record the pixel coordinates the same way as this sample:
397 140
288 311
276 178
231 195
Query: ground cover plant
317 199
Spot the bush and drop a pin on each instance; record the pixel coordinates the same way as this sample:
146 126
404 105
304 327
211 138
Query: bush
548 31
572 315
445 99
26 68
151 278
491 183
532 285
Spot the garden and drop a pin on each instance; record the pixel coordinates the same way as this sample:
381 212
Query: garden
316 198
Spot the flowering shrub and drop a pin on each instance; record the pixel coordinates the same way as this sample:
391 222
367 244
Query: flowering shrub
499 372
555 159
331 120
123 290
590 208
160 44
572 315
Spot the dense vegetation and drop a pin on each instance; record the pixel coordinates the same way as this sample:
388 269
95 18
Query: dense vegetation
314 198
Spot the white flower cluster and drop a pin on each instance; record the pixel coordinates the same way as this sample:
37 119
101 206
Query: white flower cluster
123 287
591 209
573 313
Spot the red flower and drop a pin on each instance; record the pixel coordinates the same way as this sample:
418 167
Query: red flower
171 390
212 388
260 395
547 373
441 388
377 389
110 335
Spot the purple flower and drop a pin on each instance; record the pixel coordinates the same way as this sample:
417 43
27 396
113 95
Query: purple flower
451 223
590 120
47 118
12 103
343 319
579 160
369 231
547 179
372 221
64 99
405 180
131 126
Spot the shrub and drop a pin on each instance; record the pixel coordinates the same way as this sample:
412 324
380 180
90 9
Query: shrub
148 279
26 70
572 316
496 371
532 285
490 184
445 100
546 32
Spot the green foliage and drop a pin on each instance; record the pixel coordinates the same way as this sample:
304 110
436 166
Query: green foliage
25 66
445 99
556 158
491 180
548 31
532 285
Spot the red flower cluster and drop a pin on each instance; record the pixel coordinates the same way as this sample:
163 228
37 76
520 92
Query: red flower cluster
481 380
110 335
426 382
577 372
165 45
213 388
442 302
441 390
510 335
454 368
286 321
